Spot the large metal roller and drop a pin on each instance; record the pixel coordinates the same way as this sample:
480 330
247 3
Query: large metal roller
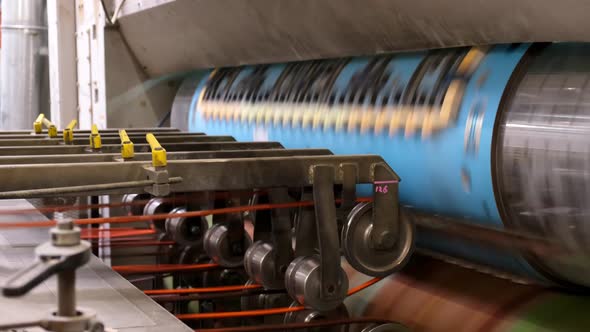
496 136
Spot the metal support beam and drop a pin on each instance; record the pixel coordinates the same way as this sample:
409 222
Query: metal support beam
198 175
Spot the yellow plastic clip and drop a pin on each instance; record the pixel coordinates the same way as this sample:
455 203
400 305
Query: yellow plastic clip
51 128
68 133
95 141
158 152
38 124
127 150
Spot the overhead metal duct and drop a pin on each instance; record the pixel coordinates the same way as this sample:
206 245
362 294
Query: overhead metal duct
24 62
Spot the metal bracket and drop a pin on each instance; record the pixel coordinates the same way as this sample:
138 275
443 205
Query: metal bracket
327 230
281 231
349 175
160 176
386 211
305 229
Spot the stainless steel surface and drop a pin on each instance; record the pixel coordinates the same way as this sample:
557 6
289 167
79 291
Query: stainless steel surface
24 63
363 256
175 35
543 157
118 304
303 282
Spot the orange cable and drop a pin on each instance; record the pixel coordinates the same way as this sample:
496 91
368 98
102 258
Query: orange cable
119 234
202 213
264 312
200 290
142 269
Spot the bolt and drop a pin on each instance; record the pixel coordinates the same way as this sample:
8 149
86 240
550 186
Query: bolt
386 240
195 229
65 224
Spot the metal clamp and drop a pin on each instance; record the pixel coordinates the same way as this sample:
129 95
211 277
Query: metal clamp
158 152
68 132
38 124
62 256
127 150
95 140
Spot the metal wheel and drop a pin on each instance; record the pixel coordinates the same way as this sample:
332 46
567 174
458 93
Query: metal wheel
303 282
360 254
186 231
217 246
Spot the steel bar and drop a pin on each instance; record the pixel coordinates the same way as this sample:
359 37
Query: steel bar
84 131
114 140
131 135
198 175
79 189
116 148
145 156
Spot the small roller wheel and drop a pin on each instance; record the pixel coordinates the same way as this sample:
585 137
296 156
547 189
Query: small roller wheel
186 231
361 254
308 316
259 263
303 282
157 206
264 301
192 255
217 246
133 204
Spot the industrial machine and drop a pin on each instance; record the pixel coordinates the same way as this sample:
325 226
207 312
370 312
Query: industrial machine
335 166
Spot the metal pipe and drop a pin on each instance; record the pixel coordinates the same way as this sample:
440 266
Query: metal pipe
66 289
24 61
81 189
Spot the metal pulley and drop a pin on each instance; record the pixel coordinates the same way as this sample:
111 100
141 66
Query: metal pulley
267 260
158 206
186 230
308 316
267 300
259 263
360 252
218 246
318 281
375 238
303 281
135 203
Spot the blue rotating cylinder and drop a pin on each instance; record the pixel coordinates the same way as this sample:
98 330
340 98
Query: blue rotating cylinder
459 126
